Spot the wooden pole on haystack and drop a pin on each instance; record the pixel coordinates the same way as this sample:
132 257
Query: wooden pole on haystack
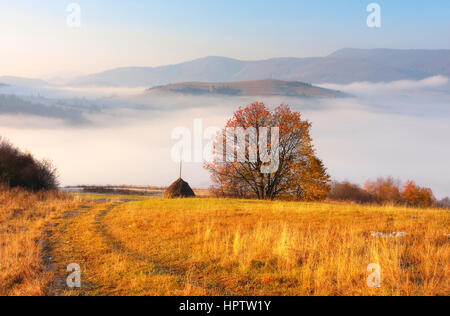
181 162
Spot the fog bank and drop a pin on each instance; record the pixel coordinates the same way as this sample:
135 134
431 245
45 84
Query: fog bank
398 129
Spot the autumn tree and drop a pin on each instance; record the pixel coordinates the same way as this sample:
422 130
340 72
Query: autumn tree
411 194
385 190
267 154
416 196
312 180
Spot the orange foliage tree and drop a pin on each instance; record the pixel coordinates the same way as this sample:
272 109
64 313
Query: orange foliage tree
385 190
299 172
416 196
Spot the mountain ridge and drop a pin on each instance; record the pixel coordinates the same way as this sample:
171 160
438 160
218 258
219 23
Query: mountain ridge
342 67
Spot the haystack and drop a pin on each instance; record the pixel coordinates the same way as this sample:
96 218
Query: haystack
179 189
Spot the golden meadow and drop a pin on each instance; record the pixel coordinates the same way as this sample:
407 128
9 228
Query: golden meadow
208 246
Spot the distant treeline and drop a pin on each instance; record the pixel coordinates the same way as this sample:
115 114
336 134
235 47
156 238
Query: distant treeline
386 191
380 192
120 190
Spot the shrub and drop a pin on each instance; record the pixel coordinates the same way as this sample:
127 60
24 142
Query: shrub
444 203
19 169
346 191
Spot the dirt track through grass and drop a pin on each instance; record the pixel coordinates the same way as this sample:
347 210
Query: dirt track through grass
59 252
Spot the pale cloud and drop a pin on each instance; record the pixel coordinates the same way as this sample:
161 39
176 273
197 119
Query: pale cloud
97 92
390 87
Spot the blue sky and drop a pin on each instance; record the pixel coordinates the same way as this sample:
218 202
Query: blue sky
37 41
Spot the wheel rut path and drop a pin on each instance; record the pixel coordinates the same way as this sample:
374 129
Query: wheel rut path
114 245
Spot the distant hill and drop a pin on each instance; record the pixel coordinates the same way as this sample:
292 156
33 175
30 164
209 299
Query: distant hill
247 88
344 66
23 82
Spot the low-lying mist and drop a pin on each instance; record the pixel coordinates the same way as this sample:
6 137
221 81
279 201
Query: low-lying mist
123 136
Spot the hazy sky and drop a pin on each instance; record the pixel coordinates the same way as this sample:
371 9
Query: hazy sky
36 41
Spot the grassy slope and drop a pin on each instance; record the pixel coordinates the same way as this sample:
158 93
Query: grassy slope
240 247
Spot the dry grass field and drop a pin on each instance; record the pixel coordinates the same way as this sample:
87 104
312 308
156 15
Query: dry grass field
154 246
24 220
